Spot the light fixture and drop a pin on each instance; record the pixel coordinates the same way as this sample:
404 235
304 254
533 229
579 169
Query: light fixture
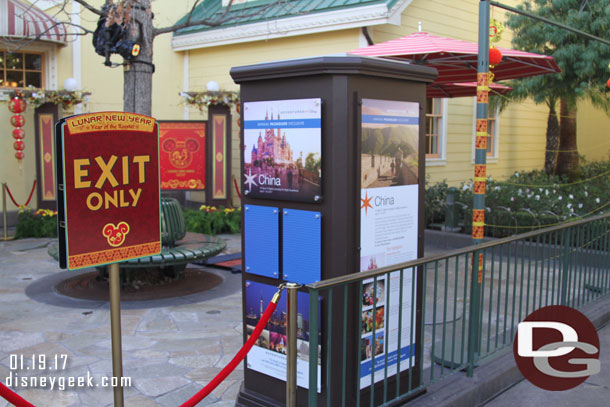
212 86
70 84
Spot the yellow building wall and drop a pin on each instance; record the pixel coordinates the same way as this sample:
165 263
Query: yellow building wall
593 132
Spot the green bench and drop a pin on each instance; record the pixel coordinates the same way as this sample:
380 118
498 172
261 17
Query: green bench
177 251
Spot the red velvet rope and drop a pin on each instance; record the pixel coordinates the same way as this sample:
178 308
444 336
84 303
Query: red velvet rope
236 187
13 198
201 394
13 397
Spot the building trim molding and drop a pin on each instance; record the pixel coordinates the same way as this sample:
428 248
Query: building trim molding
292 26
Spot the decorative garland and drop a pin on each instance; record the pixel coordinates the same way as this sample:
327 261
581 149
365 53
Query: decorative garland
66 98
496 28
203 100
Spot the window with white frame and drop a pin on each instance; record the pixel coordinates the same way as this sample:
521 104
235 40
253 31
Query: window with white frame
436 129
21 69
493 130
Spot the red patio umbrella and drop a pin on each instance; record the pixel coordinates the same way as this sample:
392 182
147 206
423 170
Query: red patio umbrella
462 89
456 61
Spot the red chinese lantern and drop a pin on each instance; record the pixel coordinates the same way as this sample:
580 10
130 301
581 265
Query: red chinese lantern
495 56
17 105
19 145
17 120
608 83
18 134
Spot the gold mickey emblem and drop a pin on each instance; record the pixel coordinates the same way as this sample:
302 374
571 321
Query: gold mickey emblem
115 235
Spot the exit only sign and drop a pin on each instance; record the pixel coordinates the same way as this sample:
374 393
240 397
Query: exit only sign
108 188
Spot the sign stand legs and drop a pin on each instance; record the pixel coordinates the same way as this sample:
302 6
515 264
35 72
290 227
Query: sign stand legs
115 331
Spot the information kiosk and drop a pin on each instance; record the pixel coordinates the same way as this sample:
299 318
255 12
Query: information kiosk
333 181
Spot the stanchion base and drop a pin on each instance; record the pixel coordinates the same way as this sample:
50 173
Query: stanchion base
6 239
249 398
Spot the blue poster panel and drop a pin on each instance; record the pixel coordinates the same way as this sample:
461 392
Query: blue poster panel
302 246
283 141
261 240
268 355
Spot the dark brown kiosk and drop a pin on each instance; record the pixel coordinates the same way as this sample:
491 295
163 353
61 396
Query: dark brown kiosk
333 184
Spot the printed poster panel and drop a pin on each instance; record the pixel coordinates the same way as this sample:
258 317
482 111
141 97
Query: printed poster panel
268 355
283 149
388 232
110 177
182 154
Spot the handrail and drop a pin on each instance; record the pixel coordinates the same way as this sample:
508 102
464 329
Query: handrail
350 278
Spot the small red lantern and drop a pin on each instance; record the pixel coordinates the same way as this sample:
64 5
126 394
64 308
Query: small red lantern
17 120
18 134
17 105
495 56
608 83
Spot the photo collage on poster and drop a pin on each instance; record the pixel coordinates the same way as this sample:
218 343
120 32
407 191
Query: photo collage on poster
283 149
268 355
388 232
373 319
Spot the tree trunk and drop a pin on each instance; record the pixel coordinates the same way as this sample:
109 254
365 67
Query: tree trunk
552 140
567 157
137 78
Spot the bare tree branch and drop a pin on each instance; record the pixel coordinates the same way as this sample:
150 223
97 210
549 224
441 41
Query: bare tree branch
90 8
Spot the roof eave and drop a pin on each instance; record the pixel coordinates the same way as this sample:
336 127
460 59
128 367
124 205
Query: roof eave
292 26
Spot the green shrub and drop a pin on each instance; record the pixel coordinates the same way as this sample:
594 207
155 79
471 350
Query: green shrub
530 200
42 223
435 197
210 220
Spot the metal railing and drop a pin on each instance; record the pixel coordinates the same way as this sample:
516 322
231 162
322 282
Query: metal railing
371 329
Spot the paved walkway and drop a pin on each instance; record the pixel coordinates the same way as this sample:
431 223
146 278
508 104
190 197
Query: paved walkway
171 348
594 392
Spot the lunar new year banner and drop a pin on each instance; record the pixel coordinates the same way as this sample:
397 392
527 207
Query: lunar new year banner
283 153
388 233
182 154
47 156
108 176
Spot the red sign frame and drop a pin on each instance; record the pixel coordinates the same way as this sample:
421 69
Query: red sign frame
108 181
183 154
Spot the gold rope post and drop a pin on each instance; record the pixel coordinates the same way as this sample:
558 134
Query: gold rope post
115 331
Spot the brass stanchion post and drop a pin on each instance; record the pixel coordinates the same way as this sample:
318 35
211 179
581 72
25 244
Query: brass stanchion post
115 331
4 214
291 351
